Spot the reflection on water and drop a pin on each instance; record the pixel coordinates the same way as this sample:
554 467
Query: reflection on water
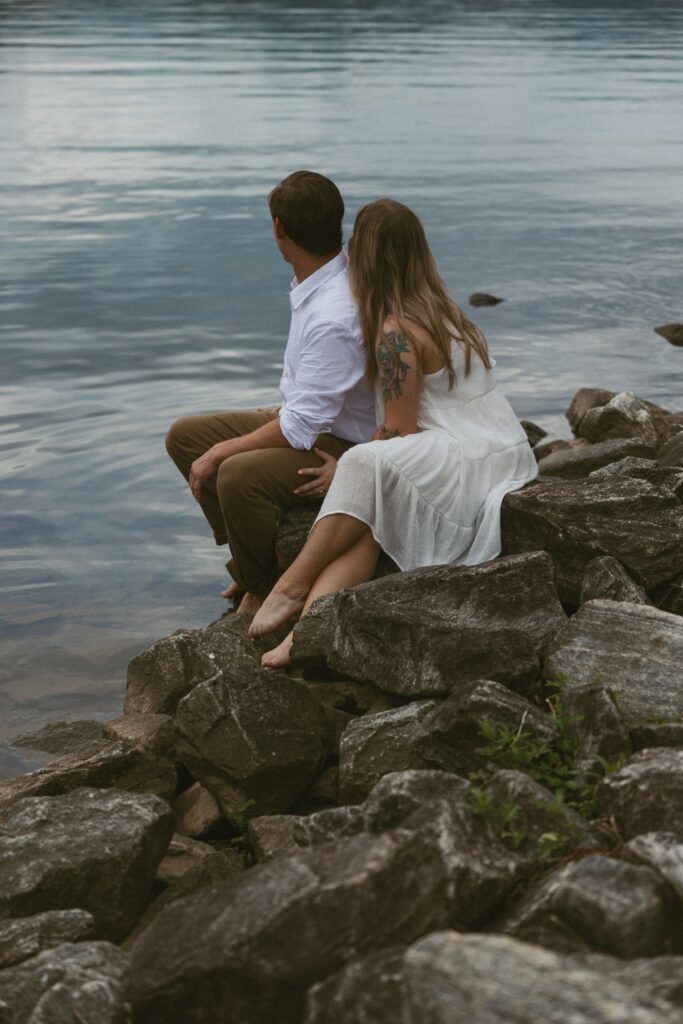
540 142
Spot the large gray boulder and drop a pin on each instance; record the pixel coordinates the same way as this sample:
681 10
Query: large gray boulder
373 745
646 795
634 649
428 631
83 983
247 953
23 937
161 676
105 863
255 741
448 978
104 765
576 463
639 524
625 415
597 903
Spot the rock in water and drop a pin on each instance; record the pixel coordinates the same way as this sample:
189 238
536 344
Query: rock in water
483 299
673 333
256 741
448 978
636 650
625 415
104 864
431 630
533 432
583 400
646 795
576 521
85 983
249 952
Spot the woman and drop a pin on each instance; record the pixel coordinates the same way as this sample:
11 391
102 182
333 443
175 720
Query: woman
428 488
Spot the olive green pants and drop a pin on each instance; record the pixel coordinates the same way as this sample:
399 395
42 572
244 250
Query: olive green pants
241 501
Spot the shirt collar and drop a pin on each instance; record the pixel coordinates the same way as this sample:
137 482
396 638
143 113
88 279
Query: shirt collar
300 292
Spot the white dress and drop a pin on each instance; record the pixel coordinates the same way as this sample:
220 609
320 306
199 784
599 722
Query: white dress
434 497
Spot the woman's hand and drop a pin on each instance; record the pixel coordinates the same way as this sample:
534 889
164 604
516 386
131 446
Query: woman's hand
202 469
321 476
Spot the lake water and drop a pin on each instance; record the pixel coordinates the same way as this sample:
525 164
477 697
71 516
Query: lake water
541 143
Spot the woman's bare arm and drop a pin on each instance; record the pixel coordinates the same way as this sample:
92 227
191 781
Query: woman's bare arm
400 377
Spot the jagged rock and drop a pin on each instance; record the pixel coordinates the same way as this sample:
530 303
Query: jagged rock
637 523
577 463
62 737
657 734
105 865
544 448
537 827
447 978
352 697
597 725
196 812
428 631
673 333
597 903
656 977
24 937
293 527
483 299
331 823
605 578
644 469
450 736
151 733
231 955
671 453
85 982
583 400
272 834
637 649
533 432
625 415
161 676
661 851
255 741
182 854
112 765
646 795
373 745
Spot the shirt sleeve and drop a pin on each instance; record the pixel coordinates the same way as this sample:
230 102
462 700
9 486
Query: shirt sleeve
331 362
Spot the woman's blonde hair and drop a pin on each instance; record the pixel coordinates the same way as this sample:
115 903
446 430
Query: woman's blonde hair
393 274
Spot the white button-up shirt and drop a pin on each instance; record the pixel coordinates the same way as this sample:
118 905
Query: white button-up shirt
323 384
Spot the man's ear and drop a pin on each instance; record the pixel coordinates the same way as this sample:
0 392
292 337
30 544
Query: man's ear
278 229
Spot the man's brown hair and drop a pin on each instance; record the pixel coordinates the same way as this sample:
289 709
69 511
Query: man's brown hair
310 209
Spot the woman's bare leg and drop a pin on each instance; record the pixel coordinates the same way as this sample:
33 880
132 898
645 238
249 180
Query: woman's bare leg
331 537
348 570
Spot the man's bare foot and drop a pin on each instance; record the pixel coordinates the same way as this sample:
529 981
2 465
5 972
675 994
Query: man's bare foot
279 656
276 609
249 605
231 591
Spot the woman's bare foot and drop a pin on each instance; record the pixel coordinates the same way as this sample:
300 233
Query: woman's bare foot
279 606
279 656
249 605
232 591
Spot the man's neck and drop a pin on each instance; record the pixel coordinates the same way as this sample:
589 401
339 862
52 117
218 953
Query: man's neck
305 263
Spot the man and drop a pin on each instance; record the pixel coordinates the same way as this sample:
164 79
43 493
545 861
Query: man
242 466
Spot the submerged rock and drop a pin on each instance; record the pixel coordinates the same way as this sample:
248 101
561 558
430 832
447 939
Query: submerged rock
673 333
636 650
446 978
428 631
483 299
255 741
105 865
576 521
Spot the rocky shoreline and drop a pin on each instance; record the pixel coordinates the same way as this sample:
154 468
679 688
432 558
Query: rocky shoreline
464 802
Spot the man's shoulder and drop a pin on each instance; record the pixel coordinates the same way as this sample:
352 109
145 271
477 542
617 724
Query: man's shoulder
333 303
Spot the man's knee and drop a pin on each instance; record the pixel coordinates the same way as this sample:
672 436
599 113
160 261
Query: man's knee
177 436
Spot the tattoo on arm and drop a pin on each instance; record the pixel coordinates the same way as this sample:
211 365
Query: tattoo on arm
392 370
385 434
